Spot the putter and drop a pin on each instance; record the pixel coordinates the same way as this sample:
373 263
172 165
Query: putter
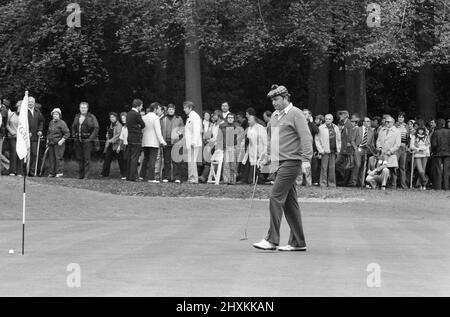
251 206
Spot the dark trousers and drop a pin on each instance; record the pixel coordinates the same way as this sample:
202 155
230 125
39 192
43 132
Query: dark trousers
358 173
132 157
109 156
441 172
170 166
401 156
343 172
56 158
283 198
315 170
83 150
246 173
15 165
33 156
149 162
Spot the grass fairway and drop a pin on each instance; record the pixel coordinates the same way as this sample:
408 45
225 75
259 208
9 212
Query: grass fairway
145 245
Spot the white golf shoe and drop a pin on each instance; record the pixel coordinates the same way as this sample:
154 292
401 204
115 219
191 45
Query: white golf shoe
291 248
265 245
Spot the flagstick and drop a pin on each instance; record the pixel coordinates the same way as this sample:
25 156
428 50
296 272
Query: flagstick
23 207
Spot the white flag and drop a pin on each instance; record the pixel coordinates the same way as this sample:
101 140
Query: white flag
23 135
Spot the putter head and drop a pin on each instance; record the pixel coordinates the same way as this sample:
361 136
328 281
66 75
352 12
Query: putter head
245 236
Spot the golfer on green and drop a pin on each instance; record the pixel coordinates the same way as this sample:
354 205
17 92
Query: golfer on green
289 146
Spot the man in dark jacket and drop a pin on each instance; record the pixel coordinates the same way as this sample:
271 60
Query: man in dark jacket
171 129
85 132
36 126
343 165
440 147
135 124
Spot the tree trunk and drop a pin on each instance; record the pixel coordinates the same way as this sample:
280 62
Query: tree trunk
424 40
425 92
338 88
355 88
318 85
192 63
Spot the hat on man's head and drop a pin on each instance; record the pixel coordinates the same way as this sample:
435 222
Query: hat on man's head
343 112
276 90
56 110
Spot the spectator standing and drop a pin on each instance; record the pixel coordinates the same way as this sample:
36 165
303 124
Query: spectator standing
257 145
402 151
420 145
4 111
112 143
85 131
440 146
363 143
135 124
172 130
159 165
206 136
344 162
225 107
151 141
328 143
122 147
217 152
389 141
57 134
15 165
36 127
228 140
311 174
193 138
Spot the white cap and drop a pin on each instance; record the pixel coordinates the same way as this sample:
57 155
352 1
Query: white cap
56 110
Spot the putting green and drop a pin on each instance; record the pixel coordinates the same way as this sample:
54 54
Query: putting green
153 246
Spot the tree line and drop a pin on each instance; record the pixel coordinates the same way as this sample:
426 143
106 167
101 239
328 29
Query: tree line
369 57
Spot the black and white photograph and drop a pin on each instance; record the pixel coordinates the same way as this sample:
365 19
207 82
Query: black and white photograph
226 154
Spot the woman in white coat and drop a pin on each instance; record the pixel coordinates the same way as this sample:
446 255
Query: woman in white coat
194 141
